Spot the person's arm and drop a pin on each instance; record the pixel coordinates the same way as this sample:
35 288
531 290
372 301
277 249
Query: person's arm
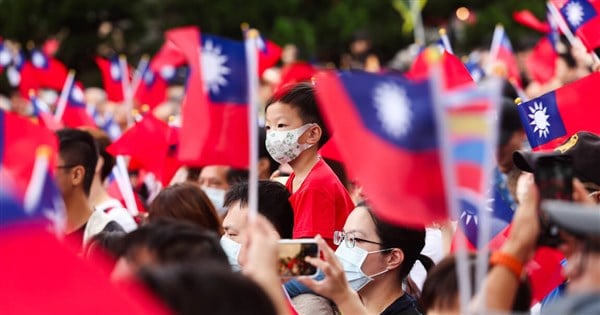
502 281
260 261
334 286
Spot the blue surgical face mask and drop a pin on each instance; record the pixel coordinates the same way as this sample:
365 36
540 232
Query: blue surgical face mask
352 260
232 250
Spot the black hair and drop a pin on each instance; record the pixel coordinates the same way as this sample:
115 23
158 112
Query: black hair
77 147
236 175
410 240
262 150
301 96
175 241
102 142
273 203
440 290
208 289
568 59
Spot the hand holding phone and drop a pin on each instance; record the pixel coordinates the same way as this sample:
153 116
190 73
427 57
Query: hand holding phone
292 257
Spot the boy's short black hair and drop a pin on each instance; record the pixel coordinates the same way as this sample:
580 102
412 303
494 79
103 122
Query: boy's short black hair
77 147
273 203
301 96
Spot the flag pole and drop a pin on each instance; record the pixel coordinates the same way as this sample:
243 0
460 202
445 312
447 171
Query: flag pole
251 36
462 259
446 40
126 85
139 73
64 96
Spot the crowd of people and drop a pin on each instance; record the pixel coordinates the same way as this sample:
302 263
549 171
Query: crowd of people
199 250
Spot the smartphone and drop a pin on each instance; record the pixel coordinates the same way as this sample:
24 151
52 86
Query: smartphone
292 254
554 178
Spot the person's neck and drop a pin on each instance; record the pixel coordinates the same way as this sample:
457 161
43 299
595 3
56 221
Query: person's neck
78 211
378 296
98 193
305 162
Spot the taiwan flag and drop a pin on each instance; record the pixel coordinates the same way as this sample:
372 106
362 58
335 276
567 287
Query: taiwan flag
42 71
75 114
42 113
525 17
551 118
455 72
152 89
112 78
502 53
582 17
215 123
386 133
541 63
269 54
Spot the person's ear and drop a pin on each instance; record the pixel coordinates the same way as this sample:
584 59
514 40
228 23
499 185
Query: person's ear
314 134
395 259
77 175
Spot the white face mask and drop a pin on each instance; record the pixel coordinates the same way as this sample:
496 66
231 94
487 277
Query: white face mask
217 197
283 146
352 260
232 250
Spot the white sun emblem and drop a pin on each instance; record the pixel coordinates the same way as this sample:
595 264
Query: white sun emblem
5 57
77 94
539 119
574 13
38 60
213 67
115 71
391 103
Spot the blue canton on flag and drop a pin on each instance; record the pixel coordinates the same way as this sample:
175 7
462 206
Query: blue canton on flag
224 70
541 119
394 109
577 13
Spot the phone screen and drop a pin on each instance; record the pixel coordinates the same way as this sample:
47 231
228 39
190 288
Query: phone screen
554 178
292 254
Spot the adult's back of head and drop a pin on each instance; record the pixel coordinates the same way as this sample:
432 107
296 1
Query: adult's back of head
102 141
188 202
78 148
206 289
273 203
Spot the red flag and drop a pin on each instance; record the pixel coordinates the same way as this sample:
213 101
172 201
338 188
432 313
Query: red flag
42 71
541 63
583 19
525 17
169 56
502 52
156 156
268 54
389 122
19 142
455 72
297 72
75 114
551 118
112 78
152 89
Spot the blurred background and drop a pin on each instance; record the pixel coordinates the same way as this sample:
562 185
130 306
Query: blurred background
321 29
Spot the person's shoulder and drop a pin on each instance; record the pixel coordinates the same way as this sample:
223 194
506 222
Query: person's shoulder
323 174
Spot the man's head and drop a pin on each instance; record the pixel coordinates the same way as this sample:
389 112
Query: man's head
77 160
220 176
106 161
273 203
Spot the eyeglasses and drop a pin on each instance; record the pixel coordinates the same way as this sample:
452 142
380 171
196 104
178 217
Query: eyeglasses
350 238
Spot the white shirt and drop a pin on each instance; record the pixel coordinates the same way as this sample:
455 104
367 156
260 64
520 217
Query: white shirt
116 212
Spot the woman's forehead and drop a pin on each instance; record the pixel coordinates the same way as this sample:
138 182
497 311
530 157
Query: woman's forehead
360 222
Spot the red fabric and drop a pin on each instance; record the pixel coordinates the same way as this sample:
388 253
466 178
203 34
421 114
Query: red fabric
506 56
525 17
113 88
373 161
577 105
541 63
321 204
51 77
21 139
75 117
455 72
152 94
168 55
588 32
545 272
152 155
31 287
330 150
268 56
195 104
296 72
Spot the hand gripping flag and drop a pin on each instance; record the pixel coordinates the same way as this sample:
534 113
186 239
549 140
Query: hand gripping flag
386 134
215 110
551 118
503 58
583 19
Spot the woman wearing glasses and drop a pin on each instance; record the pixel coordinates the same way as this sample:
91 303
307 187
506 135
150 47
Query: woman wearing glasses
366 272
